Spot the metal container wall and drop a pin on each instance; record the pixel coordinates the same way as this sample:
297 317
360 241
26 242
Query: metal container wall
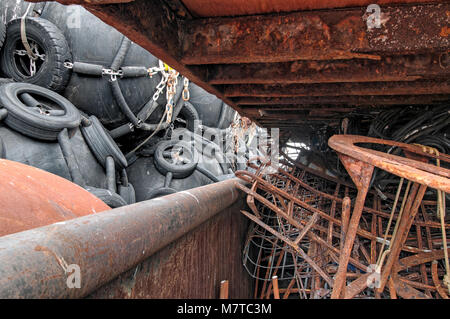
192 266
185 244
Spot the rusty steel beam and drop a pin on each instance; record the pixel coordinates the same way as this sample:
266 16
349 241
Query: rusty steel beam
393 68
214 8
104 245
337 89
321 35
348 100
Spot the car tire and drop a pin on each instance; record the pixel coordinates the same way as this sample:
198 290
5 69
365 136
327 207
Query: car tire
33 123
178 171
101 143
51 73
2 31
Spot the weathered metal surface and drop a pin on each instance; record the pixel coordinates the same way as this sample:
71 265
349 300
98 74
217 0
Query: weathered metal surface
324 35
392 68
215 8
30 198
342 100
295 50
413 170
33 263
192 266
333 252
334 89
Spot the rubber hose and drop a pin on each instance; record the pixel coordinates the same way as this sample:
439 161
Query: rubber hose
124 177
111 174
207 173
30 101
168 179
121 131
190 114
117 93
222 116
69 157
178 106
121 54
87 68
144 114
134 71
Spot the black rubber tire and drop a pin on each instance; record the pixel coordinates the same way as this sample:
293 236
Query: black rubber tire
34 124
178 171
98 43
6 80
111 199
190 114
52 74
2 31
102 144
127 193
2 148
163 191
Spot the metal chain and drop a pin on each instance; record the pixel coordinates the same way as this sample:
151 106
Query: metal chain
186 95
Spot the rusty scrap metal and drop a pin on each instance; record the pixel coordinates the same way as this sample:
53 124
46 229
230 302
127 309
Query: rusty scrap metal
305 215
323 35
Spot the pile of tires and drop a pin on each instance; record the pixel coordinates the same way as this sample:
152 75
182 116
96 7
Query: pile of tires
172 166
95 43
75 95
43 129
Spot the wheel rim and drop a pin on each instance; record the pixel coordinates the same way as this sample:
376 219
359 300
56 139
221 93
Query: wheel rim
41 105
179 155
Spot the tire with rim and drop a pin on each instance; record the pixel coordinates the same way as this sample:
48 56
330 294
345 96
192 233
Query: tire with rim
179 170
102 144
37 122
47 41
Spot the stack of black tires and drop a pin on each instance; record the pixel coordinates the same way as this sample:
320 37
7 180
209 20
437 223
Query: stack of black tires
75 97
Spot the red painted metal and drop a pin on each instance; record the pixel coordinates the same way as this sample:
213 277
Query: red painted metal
30 198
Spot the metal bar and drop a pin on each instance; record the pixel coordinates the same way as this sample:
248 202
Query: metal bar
344 101
320 35
421 87
361 174
223 289
104 245
394 68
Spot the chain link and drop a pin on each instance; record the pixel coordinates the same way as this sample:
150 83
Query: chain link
186 95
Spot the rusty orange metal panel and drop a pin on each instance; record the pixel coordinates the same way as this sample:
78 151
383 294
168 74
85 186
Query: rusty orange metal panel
217 8
192 266
30 198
